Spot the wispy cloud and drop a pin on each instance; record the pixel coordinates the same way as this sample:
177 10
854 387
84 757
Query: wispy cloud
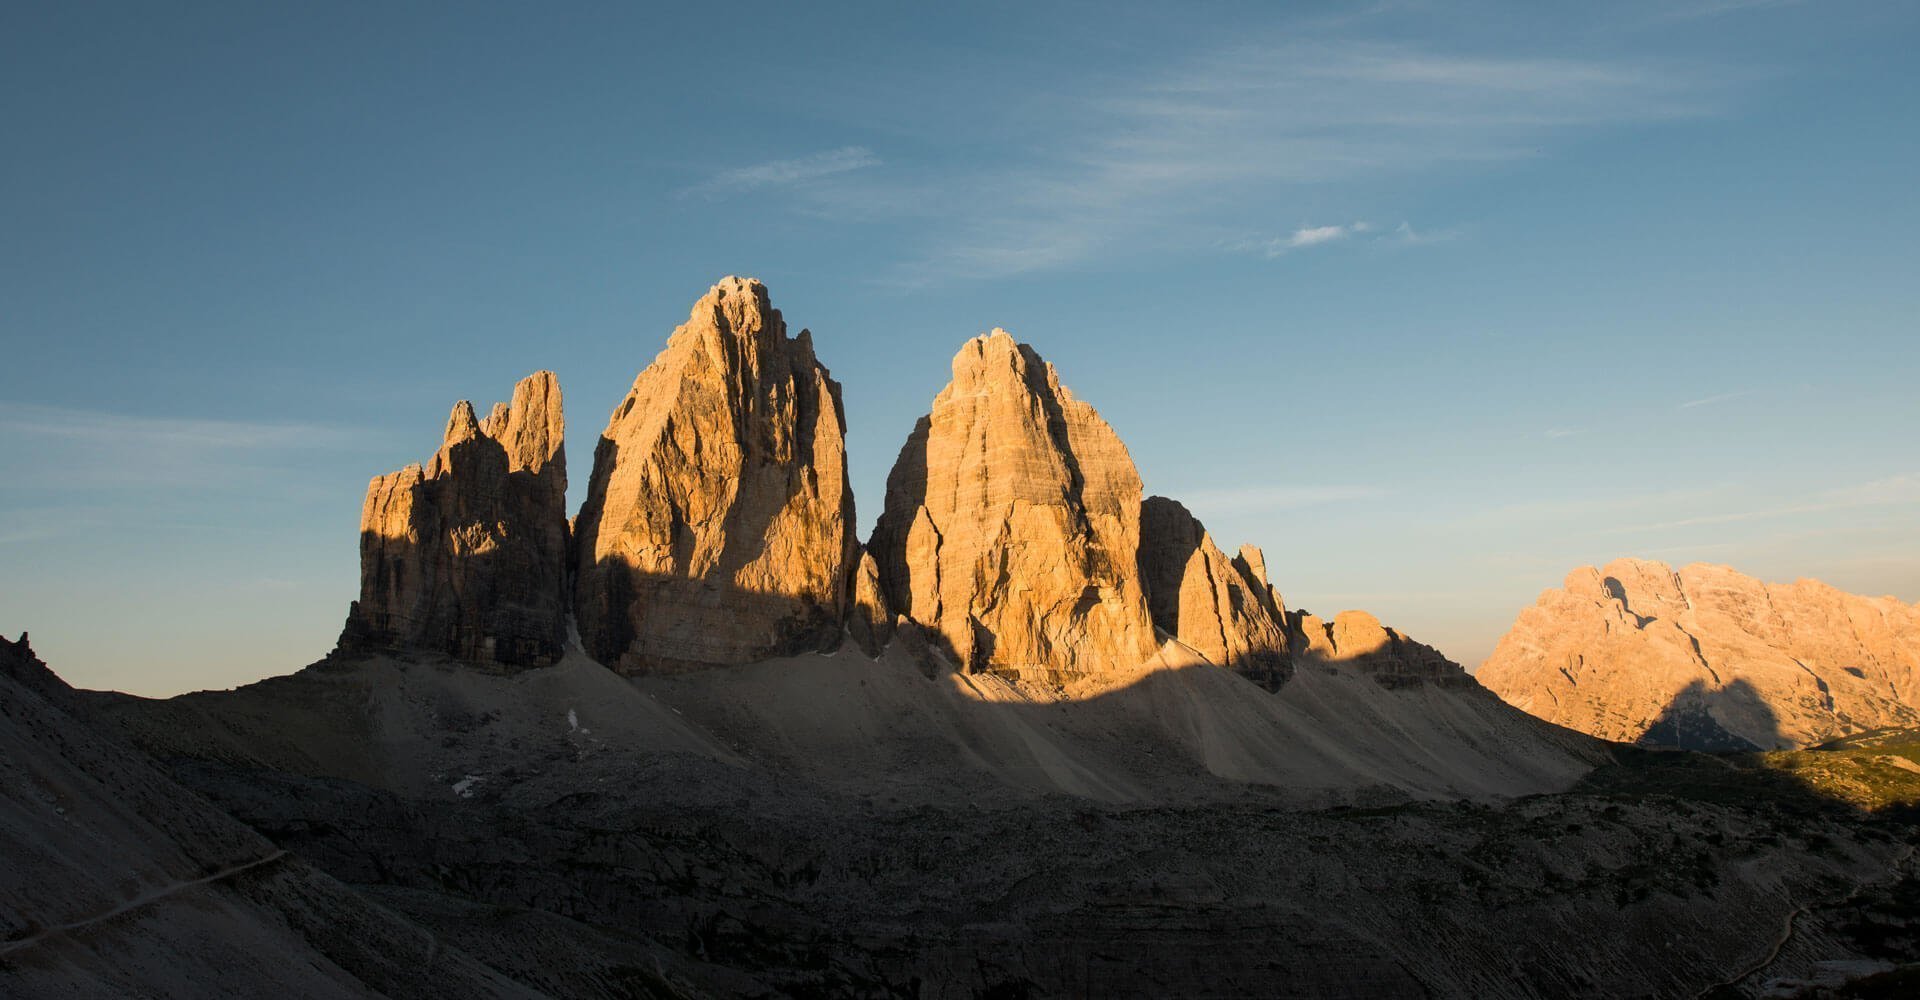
1890 491
1711 400
1405 235
1312 236
1716 8
1262 499
1179 160
781 173
64 447
1317 235
32 524
169 433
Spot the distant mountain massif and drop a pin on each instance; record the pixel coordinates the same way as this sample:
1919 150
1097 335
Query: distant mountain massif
1705 658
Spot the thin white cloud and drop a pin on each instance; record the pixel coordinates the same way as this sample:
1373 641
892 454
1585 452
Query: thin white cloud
1563 432
1891 491
1310 236
62 447
1307 237
781 173
171 433
1715 8
1589 509
1711 400
1175 161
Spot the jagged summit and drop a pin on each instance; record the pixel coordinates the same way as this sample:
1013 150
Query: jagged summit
1223 609
718 524
718 529
1706 656
1012 521
467 556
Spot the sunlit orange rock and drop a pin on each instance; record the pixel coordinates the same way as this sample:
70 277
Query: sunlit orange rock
1356 641
467 556
1012 523
718 526
1706 657
1223 609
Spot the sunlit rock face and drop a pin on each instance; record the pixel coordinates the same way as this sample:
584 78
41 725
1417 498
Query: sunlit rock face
718 524
1356 641
1706 657
1223 609
468 556
1012 523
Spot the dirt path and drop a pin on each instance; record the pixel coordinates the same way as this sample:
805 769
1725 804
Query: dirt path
1793 919
144 899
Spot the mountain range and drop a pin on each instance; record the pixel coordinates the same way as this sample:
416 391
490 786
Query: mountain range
1040 734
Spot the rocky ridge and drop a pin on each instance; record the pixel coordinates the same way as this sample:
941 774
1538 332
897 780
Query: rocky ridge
1705 657
718 530
1222 609
467 556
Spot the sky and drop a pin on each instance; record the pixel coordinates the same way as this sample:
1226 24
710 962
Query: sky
1432 301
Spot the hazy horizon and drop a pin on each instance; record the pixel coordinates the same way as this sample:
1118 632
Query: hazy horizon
1432 305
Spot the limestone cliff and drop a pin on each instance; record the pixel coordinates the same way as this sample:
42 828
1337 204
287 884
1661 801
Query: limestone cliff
718 524
1012 523
467 557
1223 609
1705 657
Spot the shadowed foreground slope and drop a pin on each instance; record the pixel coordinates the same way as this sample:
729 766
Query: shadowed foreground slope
118 882
839 826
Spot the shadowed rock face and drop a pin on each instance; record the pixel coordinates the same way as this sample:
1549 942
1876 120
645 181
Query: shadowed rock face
869 623
1224 610
468 556
1012 523
1640 651
718 525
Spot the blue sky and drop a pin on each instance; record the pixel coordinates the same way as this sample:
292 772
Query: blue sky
1433 301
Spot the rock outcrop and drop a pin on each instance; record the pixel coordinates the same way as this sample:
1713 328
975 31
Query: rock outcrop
1707 658
718 525
468 556
1012 523
869 622
1223 609
1356 641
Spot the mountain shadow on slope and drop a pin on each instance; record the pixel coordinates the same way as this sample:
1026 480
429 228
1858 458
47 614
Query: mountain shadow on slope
1692 720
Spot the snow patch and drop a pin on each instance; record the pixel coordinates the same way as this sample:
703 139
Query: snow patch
464 787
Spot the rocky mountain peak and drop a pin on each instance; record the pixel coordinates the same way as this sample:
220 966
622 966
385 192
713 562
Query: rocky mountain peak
1010 478
467 556
1705 656
718 524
